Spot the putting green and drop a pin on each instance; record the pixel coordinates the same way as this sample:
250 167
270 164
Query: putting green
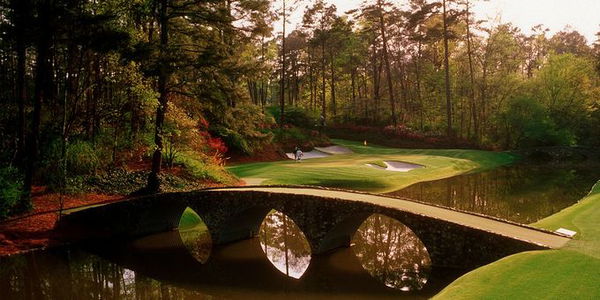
350 171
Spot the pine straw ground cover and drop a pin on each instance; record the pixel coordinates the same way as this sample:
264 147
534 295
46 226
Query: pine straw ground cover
33 230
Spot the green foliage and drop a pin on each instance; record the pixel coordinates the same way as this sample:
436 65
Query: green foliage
189 219
81 158
295 116
244 128
123 182
292 134
10 190
527 124
565 86
203 169
84 158
289 137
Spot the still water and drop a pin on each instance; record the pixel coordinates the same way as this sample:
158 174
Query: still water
522 193
386 260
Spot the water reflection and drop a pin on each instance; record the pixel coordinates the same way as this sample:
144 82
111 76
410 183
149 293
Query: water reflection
197 241
195 235
284 244
73 274
520 193
392 253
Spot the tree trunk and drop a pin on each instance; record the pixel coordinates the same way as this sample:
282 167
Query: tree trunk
472 78
323 104
376 84
388 69
42 90
282 96
418 82
353 82
163 100
20 9
311 81
447 73
333 102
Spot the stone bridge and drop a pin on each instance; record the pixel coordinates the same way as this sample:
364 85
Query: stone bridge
328 219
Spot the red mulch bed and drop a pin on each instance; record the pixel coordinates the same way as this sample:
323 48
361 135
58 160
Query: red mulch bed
34 230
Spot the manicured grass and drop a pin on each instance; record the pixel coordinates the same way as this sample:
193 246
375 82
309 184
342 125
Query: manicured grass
584 217
570 273
189 220
350 170
559 274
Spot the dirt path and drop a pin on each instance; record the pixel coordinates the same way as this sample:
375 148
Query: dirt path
521 232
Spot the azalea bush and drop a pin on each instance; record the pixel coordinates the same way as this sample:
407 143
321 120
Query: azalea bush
186 134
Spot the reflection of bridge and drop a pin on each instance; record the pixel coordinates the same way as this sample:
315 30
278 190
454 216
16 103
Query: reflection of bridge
328 219
240 270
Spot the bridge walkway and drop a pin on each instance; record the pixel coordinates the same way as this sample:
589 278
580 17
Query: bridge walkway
504 228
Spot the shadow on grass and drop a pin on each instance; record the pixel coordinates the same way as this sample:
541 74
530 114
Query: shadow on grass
353 184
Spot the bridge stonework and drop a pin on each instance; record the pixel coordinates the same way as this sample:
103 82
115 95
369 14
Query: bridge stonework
328 223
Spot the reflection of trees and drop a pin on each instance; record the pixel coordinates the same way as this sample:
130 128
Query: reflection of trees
198 242
521 193
284 244
74 275
392 253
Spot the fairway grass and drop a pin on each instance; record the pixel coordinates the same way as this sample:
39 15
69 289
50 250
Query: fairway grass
350 171
570 273
561 274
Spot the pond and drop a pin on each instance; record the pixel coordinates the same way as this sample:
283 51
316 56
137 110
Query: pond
386 260
523 193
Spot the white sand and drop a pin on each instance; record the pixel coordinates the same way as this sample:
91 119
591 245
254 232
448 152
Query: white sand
376 166
334 150
319 152
309 155
396 166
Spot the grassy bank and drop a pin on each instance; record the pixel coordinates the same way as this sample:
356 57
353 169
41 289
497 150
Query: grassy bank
570 273
350 170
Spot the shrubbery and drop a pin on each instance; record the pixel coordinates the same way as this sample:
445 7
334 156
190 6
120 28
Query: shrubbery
396 136
10 190
527 124
290 136
83 158
203 170
245 128
295 116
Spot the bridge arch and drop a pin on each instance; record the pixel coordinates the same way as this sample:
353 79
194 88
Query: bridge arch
326 217
342 232
406 263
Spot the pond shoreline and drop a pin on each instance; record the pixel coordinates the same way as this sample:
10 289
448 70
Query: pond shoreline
35 230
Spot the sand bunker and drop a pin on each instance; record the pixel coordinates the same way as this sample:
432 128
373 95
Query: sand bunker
323 152
309 155
396 166
334 150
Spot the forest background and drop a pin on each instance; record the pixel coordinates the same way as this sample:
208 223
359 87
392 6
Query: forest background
121 96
